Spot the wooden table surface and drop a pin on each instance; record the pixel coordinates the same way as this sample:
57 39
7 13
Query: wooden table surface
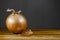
38 35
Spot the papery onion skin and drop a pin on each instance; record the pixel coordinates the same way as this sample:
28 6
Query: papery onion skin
16 23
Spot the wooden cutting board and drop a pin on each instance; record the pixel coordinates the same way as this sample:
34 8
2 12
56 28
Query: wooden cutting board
38 35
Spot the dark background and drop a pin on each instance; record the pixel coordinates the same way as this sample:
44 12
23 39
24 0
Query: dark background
43 14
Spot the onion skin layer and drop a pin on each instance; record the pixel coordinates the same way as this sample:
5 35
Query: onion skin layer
16 23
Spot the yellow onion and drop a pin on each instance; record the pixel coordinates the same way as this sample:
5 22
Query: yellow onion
16 22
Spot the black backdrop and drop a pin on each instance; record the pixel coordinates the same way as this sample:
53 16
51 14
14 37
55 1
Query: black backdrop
39 13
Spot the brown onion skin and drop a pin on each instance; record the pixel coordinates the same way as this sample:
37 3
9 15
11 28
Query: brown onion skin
16 23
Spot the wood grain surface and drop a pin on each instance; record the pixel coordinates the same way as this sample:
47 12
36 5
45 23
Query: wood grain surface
38 35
